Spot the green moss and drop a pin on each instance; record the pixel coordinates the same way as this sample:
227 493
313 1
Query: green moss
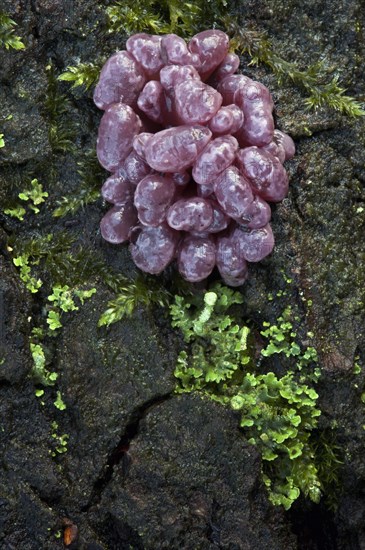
91 176
321 92
83 74
144 290
219 345
166 16
56 259
41 258
8 38
16 211
62 129
329 458
357 367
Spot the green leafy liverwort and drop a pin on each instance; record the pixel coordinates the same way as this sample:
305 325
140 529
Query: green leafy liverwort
39 371
209 331
62 298
33 195
60 441
278 414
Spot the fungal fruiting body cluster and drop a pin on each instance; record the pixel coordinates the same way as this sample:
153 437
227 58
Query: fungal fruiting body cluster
194 156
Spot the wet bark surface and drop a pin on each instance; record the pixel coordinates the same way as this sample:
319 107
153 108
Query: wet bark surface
145 468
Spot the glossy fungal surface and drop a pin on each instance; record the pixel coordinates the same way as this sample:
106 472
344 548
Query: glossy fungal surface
193 154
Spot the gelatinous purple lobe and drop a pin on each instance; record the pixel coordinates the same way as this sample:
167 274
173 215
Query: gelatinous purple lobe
258 214
118 189
228 66
275 149
118 126
195 214
152 101
230 85
230 260
153 196
172 75
116 225
204 191
175 149
174 50
215 157
196 102
232 280
282 146
256 103
227 120
139 143
252 92
121 79
146 49
181 178
212 47
267 175
258 127
222 121
153 248
238 118
135 167
234 194
223 212
196 257
255 244
220 219
286 142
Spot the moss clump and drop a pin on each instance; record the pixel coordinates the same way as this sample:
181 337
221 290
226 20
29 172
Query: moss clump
321 92
166 16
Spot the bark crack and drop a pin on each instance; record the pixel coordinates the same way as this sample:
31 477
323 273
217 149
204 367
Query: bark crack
119 455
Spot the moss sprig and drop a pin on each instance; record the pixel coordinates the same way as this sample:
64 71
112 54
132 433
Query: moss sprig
91 175
83 74
144 290
8 38
62 128
260 49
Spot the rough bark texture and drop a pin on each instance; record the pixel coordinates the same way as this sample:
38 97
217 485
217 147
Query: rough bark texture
147 469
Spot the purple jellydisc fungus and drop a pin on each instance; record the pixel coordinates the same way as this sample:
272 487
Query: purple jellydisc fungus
193 154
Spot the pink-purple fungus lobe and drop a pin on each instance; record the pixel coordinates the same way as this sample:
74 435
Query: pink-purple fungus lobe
193 155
